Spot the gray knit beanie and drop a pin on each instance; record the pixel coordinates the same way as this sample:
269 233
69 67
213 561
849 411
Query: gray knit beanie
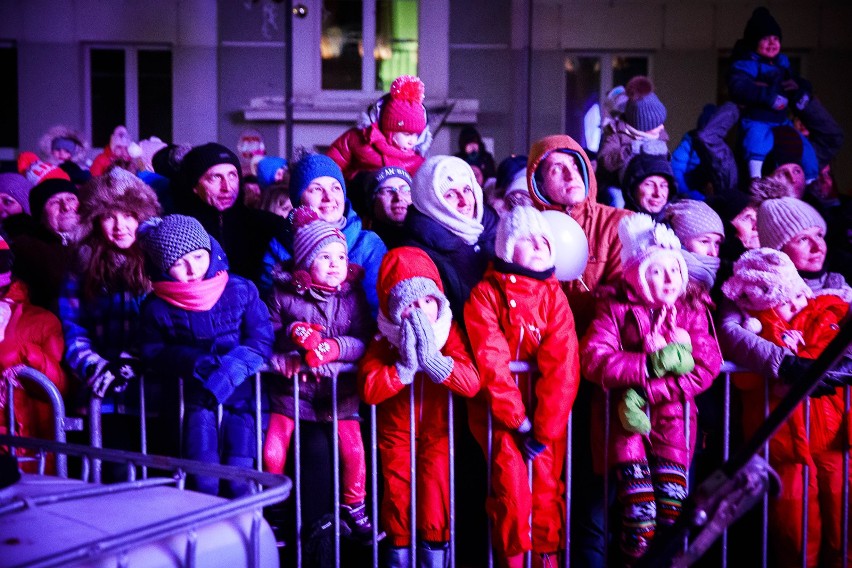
18 188
690 218
409 290
166 239
779 220
644 110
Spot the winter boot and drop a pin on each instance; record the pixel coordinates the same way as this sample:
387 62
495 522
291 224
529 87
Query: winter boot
355 517
433 555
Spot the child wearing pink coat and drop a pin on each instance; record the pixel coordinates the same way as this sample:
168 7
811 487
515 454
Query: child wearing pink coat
651 352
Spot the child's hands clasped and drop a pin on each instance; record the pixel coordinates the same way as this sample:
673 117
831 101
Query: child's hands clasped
438 367
407 365
674 358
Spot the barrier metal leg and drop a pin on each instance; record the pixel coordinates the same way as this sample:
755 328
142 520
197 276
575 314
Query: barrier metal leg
335 454
95 433
258 423
806 494
489 488
844 507
181 415
297 455
451 446
569 463
143 424
606 478
413 473
765 537
374 484
726 449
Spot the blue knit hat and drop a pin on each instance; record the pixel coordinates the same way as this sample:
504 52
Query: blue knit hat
309 168
266 169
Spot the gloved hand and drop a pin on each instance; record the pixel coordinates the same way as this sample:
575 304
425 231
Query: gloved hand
436 366
529 446
632 414
306 335
326 351
674 358
780 103
127 368
100 381
793 368
407 365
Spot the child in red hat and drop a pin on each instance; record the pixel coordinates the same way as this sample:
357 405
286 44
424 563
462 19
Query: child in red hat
421 349
396 134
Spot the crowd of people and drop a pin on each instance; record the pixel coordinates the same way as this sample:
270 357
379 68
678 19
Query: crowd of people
429 275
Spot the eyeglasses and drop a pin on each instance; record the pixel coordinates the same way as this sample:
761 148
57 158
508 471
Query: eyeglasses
402 189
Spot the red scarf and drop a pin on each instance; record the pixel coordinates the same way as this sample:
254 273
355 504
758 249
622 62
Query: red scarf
193 296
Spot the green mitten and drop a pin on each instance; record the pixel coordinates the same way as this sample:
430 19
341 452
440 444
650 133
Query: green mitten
630 412
674 358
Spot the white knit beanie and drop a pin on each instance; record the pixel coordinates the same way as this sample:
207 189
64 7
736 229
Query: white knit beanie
517 223
642 241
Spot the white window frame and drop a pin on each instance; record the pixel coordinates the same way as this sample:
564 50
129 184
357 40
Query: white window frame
131 82
307 78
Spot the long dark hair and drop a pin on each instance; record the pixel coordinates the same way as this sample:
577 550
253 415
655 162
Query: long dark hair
105 267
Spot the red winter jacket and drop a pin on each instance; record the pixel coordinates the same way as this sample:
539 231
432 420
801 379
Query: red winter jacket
613 356
819 323
378 383
33 337
368 149
517 318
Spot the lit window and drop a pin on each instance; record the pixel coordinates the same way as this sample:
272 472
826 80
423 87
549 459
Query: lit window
347 33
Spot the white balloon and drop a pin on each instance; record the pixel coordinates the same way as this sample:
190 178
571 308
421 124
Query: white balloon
570 246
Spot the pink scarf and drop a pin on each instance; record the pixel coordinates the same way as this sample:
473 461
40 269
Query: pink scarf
193 296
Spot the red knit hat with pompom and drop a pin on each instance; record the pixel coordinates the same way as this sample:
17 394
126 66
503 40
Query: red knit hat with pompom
402 110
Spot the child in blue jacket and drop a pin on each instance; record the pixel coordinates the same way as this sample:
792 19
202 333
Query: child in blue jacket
210 328
762 81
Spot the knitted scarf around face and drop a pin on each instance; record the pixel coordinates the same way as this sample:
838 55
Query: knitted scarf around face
431 203
702 268
504 267
440 329
193 296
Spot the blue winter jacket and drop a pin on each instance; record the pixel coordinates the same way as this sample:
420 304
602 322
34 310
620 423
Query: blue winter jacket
366 249
214 351
755 81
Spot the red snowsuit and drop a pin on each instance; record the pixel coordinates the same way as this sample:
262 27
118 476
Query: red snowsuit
33 337
367 150
378 383
511 317
791 448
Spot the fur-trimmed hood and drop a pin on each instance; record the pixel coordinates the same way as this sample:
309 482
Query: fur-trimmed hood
116 190
62 131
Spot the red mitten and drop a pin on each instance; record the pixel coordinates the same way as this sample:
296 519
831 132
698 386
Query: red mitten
327 351
306 335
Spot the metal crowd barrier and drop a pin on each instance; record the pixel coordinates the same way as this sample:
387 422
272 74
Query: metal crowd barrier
265 489
517 368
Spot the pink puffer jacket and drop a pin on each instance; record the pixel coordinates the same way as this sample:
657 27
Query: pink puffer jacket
612 355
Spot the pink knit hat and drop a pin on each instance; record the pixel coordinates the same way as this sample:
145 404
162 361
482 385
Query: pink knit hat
312 234
642 241
403 109
763 279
